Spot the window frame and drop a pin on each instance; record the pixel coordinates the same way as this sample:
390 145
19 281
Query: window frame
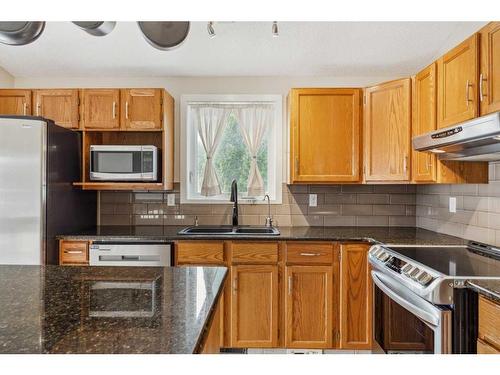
275 141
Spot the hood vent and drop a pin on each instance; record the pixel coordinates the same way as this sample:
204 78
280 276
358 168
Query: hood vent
473 140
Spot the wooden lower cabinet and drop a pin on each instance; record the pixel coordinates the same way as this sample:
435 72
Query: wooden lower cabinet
293 294
488 327
308 307
73 253
254 306
212 342
356 300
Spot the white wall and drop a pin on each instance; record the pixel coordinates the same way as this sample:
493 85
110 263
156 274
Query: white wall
6 80
178 86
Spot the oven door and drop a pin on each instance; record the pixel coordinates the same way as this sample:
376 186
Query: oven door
405 322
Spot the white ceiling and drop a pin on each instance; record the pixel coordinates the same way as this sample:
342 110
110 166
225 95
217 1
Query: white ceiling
240 49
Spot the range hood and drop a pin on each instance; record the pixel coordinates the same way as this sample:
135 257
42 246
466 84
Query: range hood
473 140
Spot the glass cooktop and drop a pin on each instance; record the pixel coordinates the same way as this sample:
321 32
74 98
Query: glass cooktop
453 261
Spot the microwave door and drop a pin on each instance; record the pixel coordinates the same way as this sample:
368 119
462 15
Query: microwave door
116 165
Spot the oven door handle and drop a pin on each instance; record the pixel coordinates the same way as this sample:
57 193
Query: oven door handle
416 305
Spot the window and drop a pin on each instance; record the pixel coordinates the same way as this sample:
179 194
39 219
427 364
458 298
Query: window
231 137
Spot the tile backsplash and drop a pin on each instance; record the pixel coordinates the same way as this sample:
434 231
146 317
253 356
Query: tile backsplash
478 209
338 205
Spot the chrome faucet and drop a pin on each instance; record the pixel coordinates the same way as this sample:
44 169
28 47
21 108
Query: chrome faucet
269 219
234 199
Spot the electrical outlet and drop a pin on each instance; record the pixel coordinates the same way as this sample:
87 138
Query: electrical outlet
453 204
170 199
313 200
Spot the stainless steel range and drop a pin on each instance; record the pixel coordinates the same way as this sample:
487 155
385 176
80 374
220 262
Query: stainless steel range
421 302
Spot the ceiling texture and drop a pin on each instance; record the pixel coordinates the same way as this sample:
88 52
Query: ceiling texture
240 49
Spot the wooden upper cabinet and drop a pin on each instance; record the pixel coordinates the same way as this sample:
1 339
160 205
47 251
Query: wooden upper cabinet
325 135
458 72
387 131
100 109
254 307
15 102
141 109
60 106
308 307
355 297
424 121
489 79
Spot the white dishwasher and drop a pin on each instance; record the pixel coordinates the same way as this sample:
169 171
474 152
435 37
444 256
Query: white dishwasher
131 254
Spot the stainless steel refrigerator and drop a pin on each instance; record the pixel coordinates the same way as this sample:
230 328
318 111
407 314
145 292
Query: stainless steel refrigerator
39 161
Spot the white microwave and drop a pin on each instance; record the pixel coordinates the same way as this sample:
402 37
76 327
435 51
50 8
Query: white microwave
123 163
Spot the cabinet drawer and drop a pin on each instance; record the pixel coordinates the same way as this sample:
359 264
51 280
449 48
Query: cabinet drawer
484 348
193 252
309 253
489 322
255 252
73 252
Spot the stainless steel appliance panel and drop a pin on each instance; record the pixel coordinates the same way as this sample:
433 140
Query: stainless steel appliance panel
22 191
130 254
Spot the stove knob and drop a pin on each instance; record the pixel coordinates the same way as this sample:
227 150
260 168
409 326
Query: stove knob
406 268
414 272
424 278
384 257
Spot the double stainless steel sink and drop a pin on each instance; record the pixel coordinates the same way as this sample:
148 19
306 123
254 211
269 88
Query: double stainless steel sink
225 230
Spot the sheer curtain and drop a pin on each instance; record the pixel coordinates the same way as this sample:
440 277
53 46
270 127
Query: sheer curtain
210 122
254 121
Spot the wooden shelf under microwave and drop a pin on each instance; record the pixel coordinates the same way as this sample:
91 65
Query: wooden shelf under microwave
120 185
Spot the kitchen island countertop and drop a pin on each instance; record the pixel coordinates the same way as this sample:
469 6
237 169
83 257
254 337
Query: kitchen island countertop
55 309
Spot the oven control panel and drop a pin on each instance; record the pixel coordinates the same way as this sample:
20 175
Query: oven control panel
402 267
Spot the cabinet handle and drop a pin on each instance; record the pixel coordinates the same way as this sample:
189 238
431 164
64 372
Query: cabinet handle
290 285
126 110
114 110
73 251
429 162
235 285
25 109
405 163
310 254
296 165
38 109
481 94
467 89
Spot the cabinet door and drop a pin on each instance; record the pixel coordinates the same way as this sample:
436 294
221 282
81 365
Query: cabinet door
458 72
15 102
489 89
325 135
424 121
101 108
60 106
387 131
355 297
141 109
254 307
308 305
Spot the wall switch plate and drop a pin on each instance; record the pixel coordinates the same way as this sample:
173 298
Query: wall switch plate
170 199
313 200
453 204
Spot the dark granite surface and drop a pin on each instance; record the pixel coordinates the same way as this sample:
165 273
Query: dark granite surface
54 309
386 235
487 288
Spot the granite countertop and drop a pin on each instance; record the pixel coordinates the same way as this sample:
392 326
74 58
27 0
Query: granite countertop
386 235
54 309
487 288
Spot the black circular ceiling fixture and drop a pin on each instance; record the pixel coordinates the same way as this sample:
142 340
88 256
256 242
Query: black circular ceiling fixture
20 33
96 28
164 35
